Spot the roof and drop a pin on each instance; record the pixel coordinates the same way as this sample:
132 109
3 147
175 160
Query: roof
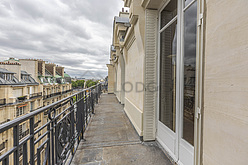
57 76
2 70
66 75
121 19
58 73
47 73
9 82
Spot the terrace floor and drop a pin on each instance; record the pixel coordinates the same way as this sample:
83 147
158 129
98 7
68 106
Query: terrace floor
112 140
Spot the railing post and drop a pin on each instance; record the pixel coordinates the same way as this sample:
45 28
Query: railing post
16 144
72 129
31 125
92 102
48 145
6 161
25 156
54 151
83 115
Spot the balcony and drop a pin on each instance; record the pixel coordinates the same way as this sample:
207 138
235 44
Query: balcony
21 99
56 94
109 136
58 138
111 139
35 95
67 91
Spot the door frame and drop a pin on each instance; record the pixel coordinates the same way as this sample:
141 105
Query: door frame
180 142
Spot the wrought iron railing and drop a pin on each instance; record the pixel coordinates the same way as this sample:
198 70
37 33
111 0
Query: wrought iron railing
2 101
59 136
46 96
21 98
56 94
34 95
23 134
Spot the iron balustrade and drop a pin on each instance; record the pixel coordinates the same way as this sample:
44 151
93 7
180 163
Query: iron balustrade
23 134
67 91
2 101
55 94
59 137
21 98
34 95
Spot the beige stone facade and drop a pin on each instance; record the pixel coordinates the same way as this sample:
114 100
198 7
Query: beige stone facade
27 85
210 92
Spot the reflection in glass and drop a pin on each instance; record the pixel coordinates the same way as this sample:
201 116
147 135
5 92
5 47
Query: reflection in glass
168 47
187 2
169 12
190 18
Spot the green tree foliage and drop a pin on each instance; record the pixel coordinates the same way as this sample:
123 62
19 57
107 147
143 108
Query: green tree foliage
80 83
90 83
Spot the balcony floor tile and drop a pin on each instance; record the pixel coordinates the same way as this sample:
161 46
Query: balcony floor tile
111 139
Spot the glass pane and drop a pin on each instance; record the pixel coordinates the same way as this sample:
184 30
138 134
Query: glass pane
168 48
189 72
187 2
169 12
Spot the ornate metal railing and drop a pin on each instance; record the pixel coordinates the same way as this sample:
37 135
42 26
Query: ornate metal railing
2 101
55 94
21 98
46 96
23 134
59 136
34 95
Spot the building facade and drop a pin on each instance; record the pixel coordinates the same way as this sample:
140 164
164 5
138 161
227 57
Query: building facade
178 66
25 86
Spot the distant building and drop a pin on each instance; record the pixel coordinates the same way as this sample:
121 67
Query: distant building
25 86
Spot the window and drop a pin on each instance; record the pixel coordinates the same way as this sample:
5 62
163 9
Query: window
2 75
8 77
32 106
20 110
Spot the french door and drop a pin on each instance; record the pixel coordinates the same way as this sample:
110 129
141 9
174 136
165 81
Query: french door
177 73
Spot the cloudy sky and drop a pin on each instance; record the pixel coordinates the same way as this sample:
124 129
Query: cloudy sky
75 34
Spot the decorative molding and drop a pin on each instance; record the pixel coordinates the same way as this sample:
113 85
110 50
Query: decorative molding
144 3
127 3
131 41
133 18
135 116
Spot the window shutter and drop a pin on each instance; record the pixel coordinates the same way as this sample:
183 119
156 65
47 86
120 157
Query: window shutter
150 78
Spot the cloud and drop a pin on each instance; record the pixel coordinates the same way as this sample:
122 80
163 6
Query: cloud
75 34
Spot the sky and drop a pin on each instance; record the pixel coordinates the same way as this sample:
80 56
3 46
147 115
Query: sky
75 34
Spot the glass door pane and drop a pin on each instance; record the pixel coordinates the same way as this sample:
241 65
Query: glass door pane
168 48
168 13
190 18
